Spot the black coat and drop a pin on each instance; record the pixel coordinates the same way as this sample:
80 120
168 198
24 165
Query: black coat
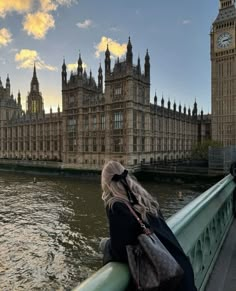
124 230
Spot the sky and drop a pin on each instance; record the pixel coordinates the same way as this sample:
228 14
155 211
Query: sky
176 34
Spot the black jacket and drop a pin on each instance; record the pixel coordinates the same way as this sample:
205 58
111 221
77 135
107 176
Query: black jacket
124 230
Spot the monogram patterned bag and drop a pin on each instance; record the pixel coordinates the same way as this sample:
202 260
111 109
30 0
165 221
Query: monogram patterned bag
151 265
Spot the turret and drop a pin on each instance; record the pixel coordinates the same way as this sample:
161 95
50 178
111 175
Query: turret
194 112
139 66
147 66
162 101
155 99
107 62
19 99
100 79
129 54
180 108
64 74
80 66
8 86
168 104
174 106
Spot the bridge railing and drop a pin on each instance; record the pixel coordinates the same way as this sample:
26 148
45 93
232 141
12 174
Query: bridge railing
200 227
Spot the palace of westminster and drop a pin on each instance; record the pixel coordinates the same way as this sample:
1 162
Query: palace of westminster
113 118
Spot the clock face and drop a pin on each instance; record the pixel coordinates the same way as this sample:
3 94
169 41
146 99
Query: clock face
224 40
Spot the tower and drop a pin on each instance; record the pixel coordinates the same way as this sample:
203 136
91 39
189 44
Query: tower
223 74
34 99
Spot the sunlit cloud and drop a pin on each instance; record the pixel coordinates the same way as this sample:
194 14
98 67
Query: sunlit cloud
26 59
186 21
115 48
48 5
38 24
19 6
73 67
86 24
5 37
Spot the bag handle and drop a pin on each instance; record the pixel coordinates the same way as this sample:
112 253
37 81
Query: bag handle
143 226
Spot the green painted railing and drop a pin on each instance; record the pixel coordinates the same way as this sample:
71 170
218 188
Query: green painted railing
200 227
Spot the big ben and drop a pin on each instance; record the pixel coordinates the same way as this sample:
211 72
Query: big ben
223 74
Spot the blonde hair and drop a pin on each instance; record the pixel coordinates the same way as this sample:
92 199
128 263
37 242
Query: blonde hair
114 191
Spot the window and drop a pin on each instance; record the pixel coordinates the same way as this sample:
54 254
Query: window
143 144
118 120
103 122
102 144
94 122
118 145
86 123
143 120
117 91
135 120
86 145
135 143
94 145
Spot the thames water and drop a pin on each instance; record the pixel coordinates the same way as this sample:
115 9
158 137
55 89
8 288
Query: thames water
50 230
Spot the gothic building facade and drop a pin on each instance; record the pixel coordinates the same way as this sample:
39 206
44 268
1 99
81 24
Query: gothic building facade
98 124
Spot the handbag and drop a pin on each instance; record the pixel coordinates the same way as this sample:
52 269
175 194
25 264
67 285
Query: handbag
151 265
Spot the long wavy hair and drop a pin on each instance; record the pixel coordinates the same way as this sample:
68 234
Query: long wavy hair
114 191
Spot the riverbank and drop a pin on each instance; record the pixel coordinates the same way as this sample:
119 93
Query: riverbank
189 174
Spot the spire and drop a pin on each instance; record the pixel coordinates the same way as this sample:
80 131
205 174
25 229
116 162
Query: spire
147 66
8 86
100 78
139 66
34 74
129 54
107 62
19 98
162 101
80 66
34 81
0 82
155 98
64 73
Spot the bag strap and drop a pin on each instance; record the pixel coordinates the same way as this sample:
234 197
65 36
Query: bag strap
145 229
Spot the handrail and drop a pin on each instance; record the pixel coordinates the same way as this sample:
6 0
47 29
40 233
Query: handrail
200 227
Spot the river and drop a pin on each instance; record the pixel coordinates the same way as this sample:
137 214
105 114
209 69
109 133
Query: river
50 230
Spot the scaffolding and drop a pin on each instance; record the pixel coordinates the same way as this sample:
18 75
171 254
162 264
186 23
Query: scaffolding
221 158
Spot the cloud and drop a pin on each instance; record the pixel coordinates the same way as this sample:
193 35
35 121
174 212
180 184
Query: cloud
86 24
38 24
19 6
51 5
115 48
186 21
73 67
26 59
114 28
48 5
5 37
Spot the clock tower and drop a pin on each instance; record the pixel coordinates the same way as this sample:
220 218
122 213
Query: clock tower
223 74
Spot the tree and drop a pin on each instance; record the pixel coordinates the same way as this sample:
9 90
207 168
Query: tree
200 150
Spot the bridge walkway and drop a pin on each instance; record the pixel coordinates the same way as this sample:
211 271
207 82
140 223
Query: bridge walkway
223 276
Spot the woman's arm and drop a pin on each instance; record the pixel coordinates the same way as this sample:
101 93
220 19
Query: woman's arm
124 230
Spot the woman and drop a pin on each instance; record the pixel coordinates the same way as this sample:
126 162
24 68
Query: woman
119 188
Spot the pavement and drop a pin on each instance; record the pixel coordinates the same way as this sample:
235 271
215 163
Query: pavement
223 276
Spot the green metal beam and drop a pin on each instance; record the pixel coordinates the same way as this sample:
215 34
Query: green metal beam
111 277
